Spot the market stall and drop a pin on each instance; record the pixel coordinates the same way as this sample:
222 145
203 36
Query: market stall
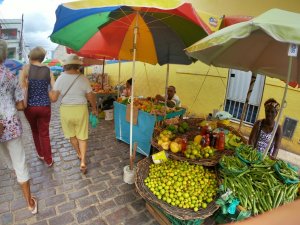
143 128
243 185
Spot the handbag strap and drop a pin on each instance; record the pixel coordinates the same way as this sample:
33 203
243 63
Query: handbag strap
69 87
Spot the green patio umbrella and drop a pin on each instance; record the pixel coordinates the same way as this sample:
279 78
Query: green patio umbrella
267 44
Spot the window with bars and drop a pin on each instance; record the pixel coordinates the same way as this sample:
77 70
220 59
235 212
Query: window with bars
235 109
289 127
237 89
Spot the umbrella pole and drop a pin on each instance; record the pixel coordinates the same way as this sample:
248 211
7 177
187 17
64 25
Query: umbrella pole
281 108
119 78
166 88
133 81
250 89
102 77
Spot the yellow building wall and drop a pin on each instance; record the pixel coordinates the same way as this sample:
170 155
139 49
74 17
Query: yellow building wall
202 88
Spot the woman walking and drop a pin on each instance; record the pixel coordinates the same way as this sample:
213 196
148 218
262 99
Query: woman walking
38 77
75 90
11 147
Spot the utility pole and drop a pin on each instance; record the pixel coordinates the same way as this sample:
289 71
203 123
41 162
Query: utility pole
0 31
21 40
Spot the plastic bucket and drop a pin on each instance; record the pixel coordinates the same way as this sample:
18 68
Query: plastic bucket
129 175
109 114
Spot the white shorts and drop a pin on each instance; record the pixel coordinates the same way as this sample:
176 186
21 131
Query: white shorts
13 153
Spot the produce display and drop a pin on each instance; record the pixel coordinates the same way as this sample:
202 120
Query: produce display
196 151
257 185
149 106
195 141
96 87
182 184
286 172
248 154
233 165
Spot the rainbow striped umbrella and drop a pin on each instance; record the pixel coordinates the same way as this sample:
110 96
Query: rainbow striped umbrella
146 30
163 30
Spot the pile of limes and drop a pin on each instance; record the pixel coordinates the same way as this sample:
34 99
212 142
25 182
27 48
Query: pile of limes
195 151
182 184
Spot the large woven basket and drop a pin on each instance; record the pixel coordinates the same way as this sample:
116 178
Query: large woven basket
180 213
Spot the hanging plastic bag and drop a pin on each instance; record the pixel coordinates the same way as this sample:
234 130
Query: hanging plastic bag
93 120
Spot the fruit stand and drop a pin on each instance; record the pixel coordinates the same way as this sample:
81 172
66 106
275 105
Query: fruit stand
143 130
203 182
182 141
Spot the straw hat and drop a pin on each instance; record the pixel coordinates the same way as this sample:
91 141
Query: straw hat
72 59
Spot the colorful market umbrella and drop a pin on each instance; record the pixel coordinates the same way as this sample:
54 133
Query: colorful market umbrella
267 44
145 31
13 65
56 68
230 20
163 29
52 62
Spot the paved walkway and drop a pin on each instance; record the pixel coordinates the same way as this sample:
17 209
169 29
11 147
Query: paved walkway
68 197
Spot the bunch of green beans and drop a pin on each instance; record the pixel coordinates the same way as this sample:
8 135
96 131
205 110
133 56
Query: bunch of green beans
259 189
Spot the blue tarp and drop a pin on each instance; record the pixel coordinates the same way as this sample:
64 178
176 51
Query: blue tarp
142 132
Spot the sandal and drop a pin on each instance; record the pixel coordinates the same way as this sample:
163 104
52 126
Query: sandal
40 157
50 164
83 169
34 210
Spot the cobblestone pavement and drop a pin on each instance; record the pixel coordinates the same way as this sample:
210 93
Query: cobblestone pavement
65 195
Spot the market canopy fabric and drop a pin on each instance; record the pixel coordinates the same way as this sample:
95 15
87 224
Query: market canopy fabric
164 29
259 45
52 62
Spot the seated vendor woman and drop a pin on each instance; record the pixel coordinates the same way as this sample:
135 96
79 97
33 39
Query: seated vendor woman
172 100
262 130
127 91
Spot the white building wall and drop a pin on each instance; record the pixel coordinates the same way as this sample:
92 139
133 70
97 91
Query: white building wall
11 32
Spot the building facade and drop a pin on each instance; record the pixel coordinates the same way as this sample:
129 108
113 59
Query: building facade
11 32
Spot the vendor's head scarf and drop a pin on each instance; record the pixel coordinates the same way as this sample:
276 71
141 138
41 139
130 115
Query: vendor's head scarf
272 103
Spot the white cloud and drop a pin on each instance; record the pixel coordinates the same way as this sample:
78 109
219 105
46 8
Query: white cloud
39 19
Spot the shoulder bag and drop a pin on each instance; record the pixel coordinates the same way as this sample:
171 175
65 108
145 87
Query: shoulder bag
69 88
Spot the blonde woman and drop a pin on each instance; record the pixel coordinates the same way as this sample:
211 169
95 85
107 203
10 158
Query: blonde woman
75 90
39 78
11 147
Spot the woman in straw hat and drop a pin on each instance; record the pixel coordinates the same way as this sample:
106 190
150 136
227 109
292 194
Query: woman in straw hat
11 146
75 90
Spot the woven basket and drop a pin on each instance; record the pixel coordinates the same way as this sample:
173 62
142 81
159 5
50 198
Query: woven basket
180 213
